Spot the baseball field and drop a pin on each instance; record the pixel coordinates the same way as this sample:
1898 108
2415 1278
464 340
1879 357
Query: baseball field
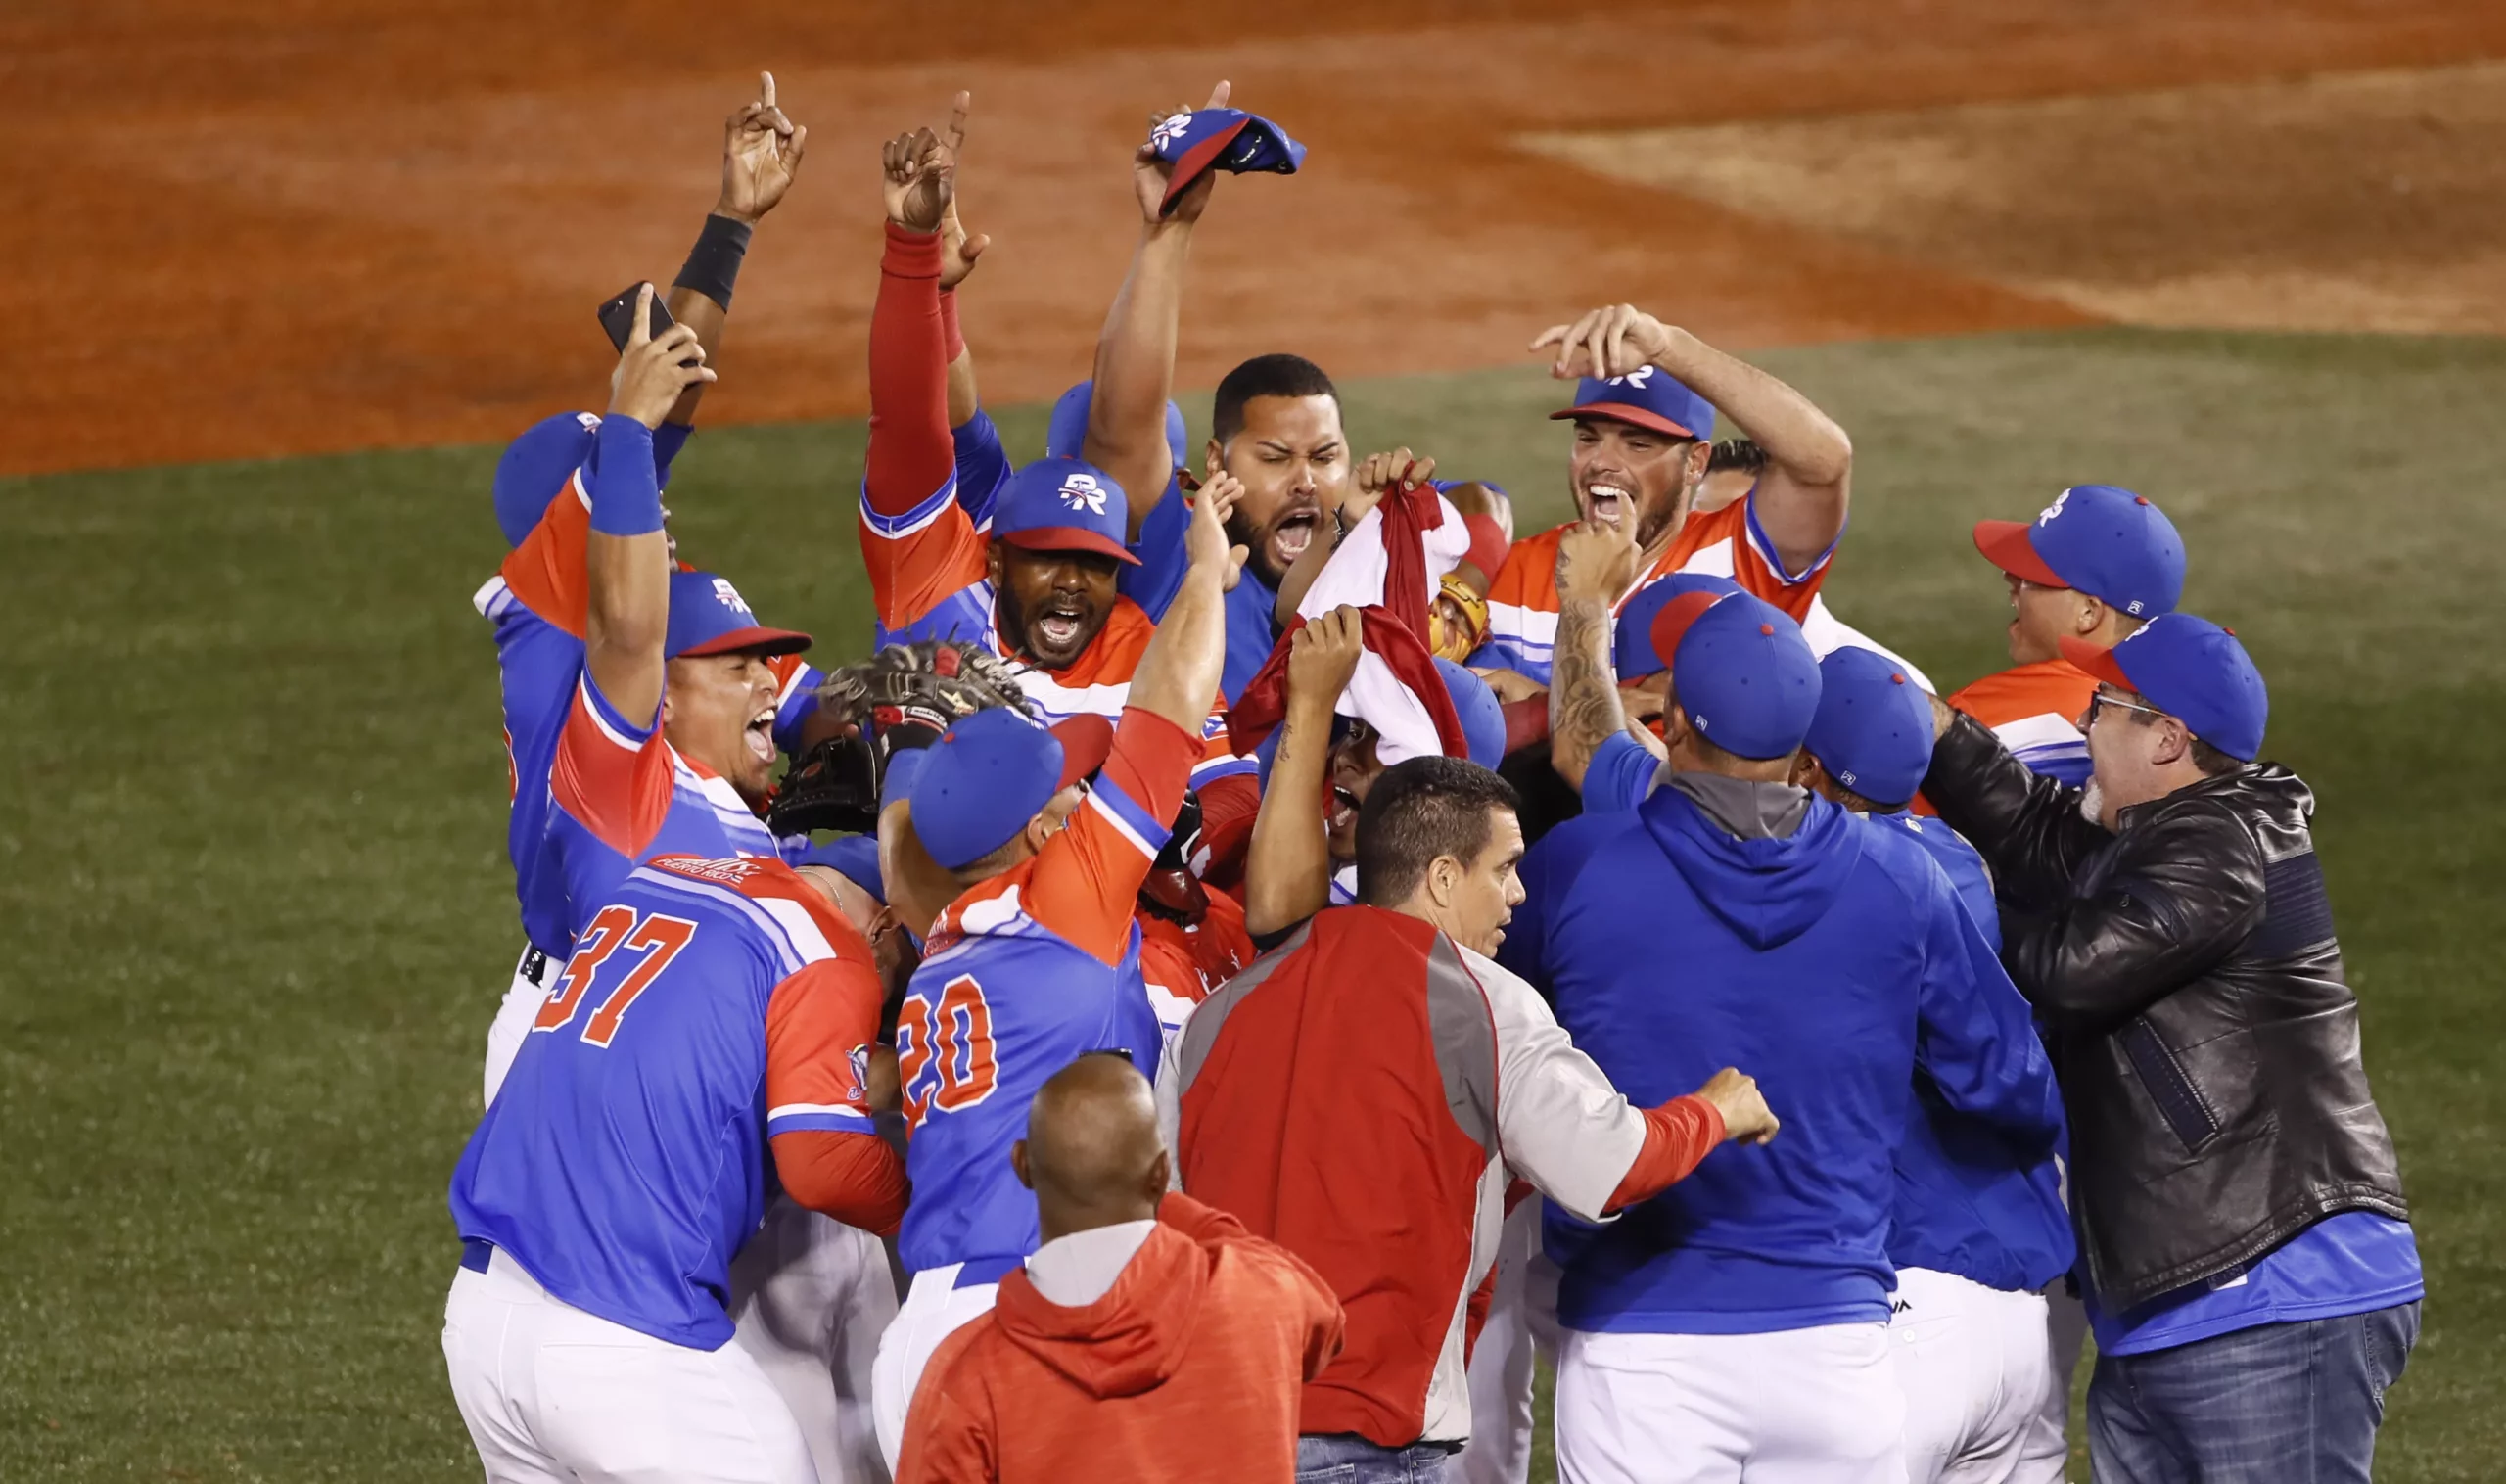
288 273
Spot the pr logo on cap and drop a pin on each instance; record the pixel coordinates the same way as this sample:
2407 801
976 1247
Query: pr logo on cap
2046 516
1635 378
730 597
1081 491
1169 129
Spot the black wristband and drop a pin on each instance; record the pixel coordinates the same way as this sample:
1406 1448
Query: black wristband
714 264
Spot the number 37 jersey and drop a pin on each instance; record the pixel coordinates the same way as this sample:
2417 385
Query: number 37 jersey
1024 975
709 1006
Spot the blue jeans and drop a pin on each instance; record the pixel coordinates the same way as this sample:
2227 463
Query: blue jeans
2277 1403
1344 1457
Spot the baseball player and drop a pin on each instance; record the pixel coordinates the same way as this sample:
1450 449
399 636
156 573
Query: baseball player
1035 963
1977 1234
1735 1328
1042 589
707 1042
2094 566
1644 416
536 599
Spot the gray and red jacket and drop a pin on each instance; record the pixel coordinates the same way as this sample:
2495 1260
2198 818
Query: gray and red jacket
1359 1097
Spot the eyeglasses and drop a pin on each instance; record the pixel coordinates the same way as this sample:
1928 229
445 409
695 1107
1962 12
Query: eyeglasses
2099 700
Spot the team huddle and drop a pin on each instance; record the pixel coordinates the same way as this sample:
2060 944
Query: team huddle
1249 955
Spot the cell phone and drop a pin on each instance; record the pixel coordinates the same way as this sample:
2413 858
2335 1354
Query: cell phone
618 316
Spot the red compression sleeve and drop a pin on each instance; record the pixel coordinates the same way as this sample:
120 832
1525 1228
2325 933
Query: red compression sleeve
910 455
1526 722
854 1178
1678 1136
953 341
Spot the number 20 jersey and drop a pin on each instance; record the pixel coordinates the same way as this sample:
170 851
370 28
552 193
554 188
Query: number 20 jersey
1024 975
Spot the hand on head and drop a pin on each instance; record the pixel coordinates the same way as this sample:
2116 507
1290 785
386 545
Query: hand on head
1151 174
760 153
1611 341
652 372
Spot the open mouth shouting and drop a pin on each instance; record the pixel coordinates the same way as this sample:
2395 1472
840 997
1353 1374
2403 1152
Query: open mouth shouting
760 735
1292 533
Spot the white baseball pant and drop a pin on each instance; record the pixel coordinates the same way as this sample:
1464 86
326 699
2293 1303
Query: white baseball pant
934 1308
1522 1320
1817 1405
514 1016
553 1395
1976 1368
812 1296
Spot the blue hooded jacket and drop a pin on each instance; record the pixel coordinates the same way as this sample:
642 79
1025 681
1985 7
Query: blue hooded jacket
1828 964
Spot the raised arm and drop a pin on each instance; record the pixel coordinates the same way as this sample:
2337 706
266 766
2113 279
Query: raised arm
1288 868
1179 673
1801 499
1595 562
957 254
1135 354
760 153
626 553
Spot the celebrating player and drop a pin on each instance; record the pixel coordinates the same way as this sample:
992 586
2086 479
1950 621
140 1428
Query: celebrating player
1035 963
1644 417
536 600
717 1014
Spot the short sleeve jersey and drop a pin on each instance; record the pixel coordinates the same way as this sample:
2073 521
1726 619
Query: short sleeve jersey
1021 975
2035 709
1522 602
709 1006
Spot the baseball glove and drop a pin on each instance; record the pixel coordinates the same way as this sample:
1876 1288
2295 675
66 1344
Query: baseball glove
904 696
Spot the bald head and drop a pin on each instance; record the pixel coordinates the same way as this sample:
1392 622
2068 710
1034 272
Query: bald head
1091 1153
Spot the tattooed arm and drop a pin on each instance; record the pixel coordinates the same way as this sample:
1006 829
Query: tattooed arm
1594 564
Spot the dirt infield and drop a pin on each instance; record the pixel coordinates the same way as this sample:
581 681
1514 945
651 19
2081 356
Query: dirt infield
245 229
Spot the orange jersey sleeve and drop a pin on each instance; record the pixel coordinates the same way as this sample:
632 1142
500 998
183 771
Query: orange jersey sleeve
1086 881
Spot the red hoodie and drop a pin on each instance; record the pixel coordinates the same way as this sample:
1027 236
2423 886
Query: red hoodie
1187 1368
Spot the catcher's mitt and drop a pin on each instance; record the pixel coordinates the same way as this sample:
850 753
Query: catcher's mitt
904 696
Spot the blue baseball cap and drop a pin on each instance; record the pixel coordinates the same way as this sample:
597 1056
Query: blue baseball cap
1744 674
2194 671
1483 716
1632 650
1063 504
2099 539
1872 728
1647 397
1201 140
536 466
992 772
854 857
1067 433
709 617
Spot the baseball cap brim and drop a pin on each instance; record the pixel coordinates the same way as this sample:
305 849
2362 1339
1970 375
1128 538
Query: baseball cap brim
1622 412
1087 741
764 642
1067 539
2005 544
2099 661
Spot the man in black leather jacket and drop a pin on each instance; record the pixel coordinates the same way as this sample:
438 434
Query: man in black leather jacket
2251 1276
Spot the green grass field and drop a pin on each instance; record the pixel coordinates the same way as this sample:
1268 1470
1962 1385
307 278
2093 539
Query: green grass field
253 830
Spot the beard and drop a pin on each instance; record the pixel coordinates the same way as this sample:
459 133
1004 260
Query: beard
1658 521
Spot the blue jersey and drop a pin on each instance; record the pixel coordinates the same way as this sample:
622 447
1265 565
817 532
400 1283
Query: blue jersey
1830 964
1968 1203
536 602
1022 976
711 1005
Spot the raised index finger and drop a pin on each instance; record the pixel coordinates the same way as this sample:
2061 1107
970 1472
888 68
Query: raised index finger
765 89
958 107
